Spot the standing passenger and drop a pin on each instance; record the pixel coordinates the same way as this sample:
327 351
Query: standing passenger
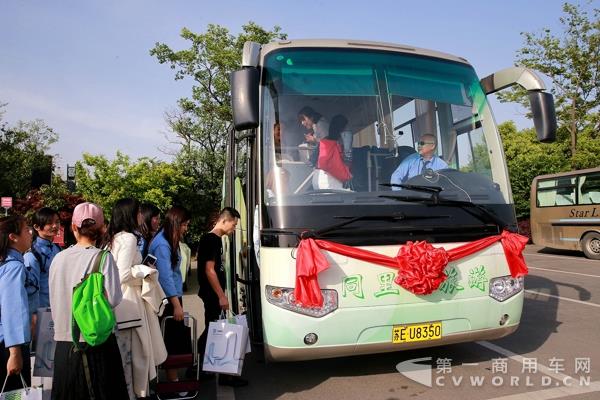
165 247
69 267
138 331
15 239
46 225
211 278
316 125
149 224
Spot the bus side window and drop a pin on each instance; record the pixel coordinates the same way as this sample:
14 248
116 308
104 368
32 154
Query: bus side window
546 198
590 190
565 194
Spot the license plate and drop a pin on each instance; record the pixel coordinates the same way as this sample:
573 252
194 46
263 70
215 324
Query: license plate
416 332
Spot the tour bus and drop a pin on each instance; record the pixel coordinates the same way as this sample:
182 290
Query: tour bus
565 211
389 96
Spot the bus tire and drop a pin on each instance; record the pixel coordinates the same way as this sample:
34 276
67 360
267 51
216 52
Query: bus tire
591 245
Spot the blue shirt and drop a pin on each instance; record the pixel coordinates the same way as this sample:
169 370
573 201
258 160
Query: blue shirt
142 246
169 275
37 274
14 310
414 165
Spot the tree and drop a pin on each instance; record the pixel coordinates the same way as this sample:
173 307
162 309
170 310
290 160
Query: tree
527 158
55 196
23 149
202 121
104 182
571 60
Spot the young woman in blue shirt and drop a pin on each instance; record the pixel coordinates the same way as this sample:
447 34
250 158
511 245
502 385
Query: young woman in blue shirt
165 247
15 239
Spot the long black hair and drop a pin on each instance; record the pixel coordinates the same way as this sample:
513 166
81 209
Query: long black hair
148 211
175 217
337 125
123 218
310 113
12 224
41 218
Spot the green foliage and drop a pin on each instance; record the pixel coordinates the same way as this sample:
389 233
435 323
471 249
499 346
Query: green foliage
202 121
571 60
528 158
22 149
55 195
588 149
480 161
104 182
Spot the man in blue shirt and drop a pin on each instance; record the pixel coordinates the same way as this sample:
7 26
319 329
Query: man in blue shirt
415 164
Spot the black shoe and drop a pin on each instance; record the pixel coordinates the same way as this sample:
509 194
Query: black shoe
233 381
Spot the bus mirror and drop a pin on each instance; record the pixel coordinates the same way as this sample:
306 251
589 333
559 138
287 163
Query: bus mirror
244 98
544 116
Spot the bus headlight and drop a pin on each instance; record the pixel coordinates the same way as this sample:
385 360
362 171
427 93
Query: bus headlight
284 297
504 287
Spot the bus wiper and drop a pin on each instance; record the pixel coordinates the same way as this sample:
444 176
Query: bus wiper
392 217
434 190
483 214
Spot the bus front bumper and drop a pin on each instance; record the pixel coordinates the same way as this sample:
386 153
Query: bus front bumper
273 353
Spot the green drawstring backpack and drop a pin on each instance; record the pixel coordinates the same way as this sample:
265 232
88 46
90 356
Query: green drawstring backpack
93 316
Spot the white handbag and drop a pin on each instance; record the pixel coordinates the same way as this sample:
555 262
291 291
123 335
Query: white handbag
225 348
241 320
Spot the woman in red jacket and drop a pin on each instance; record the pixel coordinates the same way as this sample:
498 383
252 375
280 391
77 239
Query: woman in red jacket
332 172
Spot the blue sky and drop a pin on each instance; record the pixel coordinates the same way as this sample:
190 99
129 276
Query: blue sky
84 66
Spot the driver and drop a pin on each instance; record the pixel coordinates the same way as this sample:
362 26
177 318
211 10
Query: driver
416 163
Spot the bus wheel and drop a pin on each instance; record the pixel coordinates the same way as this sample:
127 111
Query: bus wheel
591 245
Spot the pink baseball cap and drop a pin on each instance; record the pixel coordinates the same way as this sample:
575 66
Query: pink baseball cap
85 211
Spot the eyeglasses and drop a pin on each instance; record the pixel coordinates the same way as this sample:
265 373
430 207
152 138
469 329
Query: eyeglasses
424 143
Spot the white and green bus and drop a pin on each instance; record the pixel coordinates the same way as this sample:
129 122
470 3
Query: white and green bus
389 96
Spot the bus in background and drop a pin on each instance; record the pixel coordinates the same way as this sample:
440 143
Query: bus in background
565 211
393 101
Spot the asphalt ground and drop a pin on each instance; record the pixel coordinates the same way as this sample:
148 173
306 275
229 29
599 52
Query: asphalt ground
553 355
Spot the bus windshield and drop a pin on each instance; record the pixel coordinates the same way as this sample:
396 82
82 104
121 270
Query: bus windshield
349 127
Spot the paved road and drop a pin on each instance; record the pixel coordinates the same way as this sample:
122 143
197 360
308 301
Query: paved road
559 329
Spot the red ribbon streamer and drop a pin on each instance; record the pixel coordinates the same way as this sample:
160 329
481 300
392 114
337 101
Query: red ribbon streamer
420 265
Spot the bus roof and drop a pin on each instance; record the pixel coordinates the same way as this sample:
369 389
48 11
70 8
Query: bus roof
567 173
360 44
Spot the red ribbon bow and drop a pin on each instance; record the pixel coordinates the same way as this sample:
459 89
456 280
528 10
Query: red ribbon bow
420 265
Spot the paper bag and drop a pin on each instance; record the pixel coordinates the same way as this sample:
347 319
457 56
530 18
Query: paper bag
225 348
45 344
26 393
241 320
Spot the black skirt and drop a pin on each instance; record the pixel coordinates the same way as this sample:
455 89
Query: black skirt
106 372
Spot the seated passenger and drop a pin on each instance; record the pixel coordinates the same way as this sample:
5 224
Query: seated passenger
331 172
415 164
277 178
280 150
